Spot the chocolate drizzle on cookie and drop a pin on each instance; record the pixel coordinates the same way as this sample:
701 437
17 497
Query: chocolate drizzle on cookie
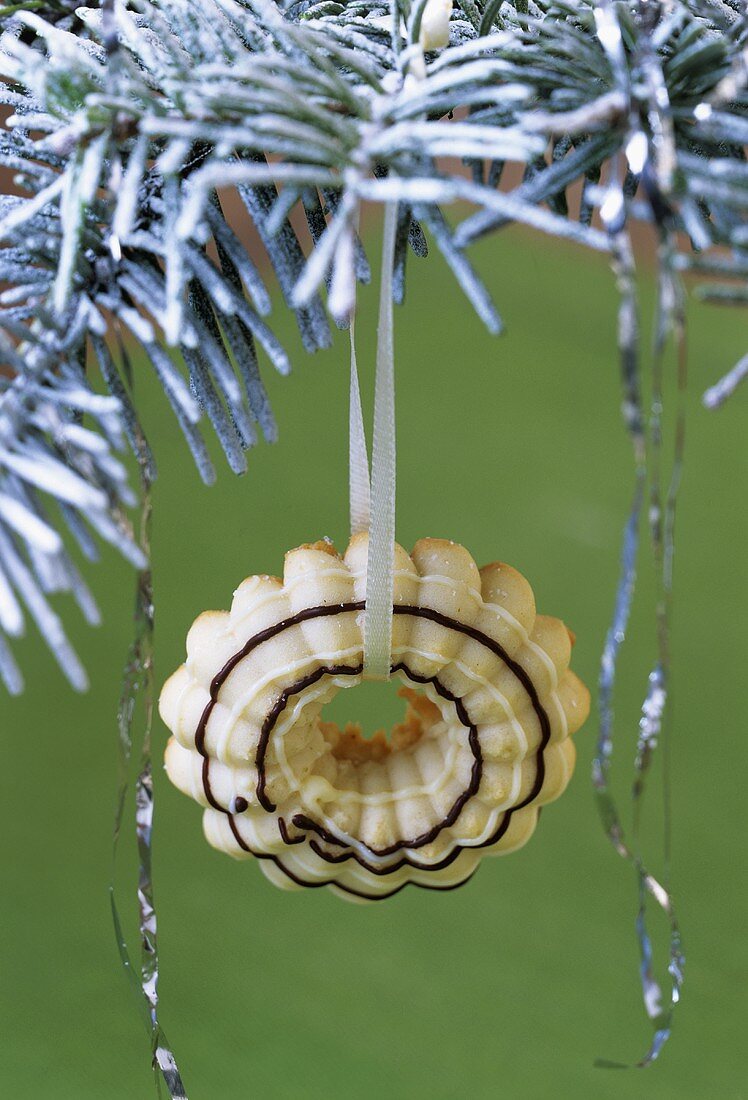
305 823
335 885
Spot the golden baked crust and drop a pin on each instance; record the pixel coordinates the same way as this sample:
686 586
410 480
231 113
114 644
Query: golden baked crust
484 742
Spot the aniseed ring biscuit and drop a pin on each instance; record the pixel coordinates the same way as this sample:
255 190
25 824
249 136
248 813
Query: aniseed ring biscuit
484 744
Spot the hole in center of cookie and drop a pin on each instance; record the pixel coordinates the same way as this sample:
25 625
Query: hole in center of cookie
398 784
389 718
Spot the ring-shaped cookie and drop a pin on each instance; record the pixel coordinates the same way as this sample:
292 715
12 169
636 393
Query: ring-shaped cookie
483 746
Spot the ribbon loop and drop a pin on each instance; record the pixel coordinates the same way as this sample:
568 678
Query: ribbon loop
372 506
359 490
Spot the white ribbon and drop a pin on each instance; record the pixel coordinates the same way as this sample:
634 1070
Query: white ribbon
359 490
373 507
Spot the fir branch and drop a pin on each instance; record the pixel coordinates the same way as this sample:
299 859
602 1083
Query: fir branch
55 475
126 140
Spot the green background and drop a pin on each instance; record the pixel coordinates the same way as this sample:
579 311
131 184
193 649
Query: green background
512 986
